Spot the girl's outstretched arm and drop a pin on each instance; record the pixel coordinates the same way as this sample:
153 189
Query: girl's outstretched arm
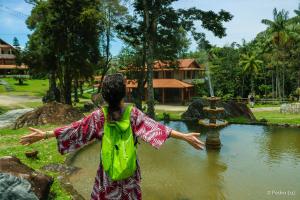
191 138
72 136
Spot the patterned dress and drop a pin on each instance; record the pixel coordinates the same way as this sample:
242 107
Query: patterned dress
79 133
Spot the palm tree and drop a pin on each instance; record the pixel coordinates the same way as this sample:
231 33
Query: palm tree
250 64
278 29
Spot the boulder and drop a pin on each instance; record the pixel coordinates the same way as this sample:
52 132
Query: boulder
40 183
232 109
54 113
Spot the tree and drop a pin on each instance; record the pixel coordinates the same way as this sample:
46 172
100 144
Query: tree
280 36
250 65
17 51
112 14
65 40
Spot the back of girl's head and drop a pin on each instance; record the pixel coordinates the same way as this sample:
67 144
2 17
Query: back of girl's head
113 91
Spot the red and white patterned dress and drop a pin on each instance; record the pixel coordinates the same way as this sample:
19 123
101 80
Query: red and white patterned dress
79 133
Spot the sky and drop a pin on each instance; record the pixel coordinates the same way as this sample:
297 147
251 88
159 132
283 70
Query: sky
245 24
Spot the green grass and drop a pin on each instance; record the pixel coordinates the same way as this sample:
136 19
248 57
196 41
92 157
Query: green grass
275 117
31 87
9 146
174 115
2 89
238 120
3 109
264 105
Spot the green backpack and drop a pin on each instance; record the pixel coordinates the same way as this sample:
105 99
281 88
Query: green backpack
118 151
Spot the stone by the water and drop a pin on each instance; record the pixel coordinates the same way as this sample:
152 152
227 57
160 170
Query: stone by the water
54 113
40 183
232 109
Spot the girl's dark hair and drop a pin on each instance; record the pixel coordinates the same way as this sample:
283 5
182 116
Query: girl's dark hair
113 91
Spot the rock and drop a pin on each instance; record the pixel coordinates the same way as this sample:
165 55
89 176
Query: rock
263 120
232 109
54 113
62 169
40 183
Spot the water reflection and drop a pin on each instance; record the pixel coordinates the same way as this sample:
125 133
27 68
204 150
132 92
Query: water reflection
279 144
215 169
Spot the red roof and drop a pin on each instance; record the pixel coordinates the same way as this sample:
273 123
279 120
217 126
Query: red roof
181 64
162 83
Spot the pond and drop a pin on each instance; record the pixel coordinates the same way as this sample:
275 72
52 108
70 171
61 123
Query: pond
255 162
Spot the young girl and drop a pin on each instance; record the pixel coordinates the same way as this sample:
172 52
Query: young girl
79 133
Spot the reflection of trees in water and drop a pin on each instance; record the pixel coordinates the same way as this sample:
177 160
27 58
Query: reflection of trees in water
215 170
278 142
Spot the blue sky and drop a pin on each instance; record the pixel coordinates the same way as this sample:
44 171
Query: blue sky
245 24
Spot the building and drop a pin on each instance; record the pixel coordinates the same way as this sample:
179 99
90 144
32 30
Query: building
8 60
172 81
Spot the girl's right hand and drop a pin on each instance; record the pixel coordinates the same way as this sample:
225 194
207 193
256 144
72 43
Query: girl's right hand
192 139
35 136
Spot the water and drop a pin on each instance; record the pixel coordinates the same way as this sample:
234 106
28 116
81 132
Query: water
9 118
254 163
211 91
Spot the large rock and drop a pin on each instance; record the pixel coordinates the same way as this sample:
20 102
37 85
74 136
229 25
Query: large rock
40 183
232 109
54 113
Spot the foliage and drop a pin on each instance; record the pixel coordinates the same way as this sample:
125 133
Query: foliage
64 42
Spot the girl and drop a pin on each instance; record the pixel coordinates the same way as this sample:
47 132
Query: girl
79 133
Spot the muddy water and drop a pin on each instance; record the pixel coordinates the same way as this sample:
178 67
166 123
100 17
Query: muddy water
255 162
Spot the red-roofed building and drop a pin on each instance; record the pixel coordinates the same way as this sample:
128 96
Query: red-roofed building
172 81
8 60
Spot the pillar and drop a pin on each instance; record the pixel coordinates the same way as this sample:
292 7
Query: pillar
163 96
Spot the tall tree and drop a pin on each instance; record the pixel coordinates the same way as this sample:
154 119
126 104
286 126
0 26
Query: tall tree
112 14
65 38
250 65
279 34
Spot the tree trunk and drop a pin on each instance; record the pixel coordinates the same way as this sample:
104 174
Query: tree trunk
67 87
149 61
107 50
81 88
76 99
273 91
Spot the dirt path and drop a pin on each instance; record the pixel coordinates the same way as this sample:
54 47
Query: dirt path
171 108
265 109
9 100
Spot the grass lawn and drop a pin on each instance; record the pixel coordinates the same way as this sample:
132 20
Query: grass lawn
174 115
9 146
264 105
277 117
31 87
2 89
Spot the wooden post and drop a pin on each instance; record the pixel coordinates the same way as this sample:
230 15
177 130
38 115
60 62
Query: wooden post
189 91
163 95
182 96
